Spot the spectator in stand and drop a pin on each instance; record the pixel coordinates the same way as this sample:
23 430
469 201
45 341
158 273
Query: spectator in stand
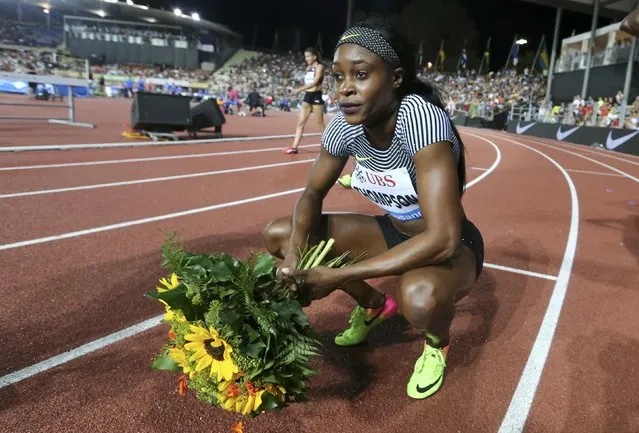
255 102
233 98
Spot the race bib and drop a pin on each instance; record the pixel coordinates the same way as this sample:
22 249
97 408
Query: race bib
391 190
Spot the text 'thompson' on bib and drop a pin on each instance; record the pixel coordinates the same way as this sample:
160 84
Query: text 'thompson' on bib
391 190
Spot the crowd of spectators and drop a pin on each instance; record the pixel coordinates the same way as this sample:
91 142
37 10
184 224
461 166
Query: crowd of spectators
116 33
483 95
276 76
29 35
601 111
157 71
25 61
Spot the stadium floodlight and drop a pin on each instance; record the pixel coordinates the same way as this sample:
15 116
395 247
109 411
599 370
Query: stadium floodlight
521 41
45 10
101 13
195 16
177 11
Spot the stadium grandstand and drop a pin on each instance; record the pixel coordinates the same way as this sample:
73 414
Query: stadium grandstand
590 80
119 48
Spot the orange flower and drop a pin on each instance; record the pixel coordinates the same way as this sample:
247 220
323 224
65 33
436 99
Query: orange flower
238 427
182 382
233 391
172 334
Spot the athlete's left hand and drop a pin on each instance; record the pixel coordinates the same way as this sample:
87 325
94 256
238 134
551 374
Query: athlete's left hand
321 281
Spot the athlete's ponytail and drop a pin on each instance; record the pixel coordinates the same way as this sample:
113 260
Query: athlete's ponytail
405 55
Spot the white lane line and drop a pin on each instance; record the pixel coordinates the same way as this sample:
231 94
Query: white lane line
131 331
606 153
491 168
603 152
596 173
616 170
204 209
72 354
559 149
153 179
521 402
152 158
521 272
145 220
146 143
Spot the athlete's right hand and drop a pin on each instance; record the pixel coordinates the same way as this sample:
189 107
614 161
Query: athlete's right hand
290 262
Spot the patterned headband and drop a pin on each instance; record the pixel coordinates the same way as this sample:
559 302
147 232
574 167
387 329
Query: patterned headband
371 40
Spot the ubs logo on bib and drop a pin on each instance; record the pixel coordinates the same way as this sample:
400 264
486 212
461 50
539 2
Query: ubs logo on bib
374 178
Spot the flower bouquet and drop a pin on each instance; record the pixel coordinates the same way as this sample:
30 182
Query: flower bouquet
238 335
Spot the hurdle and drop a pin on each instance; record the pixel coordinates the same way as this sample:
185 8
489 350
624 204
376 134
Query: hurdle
47 79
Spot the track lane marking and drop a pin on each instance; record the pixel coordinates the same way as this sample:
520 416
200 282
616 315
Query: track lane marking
146 159
519 408
147 143
152 179
108 340
131 223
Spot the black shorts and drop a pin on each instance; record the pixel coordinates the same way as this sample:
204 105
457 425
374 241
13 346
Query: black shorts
314 98
470 236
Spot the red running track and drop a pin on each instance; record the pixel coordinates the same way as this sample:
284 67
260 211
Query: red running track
63 293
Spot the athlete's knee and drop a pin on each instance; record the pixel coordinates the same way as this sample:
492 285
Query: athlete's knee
418 301
276 235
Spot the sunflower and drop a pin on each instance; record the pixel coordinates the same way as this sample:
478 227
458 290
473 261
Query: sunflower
179 356
169 285
209 350
232 396
169 315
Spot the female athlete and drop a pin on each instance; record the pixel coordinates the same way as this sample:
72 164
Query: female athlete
409 162
313 101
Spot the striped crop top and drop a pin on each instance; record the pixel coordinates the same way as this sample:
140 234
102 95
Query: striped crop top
387 177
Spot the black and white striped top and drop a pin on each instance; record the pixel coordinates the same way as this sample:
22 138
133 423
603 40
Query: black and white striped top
419 123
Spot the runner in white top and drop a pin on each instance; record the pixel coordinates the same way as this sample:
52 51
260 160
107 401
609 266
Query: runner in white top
313 101
409 161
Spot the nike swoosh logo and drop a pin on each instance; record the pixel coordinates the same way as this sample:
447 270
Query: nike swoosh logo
563 135
612 144
522 129
360 158
426 388
368 322
343 38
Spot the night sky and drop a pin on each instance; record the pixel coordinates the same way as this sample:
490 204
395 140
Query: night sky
500 19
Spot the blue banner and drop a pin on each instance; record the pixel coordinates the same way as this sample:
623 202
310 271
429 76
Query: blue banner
23 88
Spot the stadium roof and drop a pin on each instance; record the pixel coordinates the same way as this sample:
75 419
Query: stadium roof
114 9
615 9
